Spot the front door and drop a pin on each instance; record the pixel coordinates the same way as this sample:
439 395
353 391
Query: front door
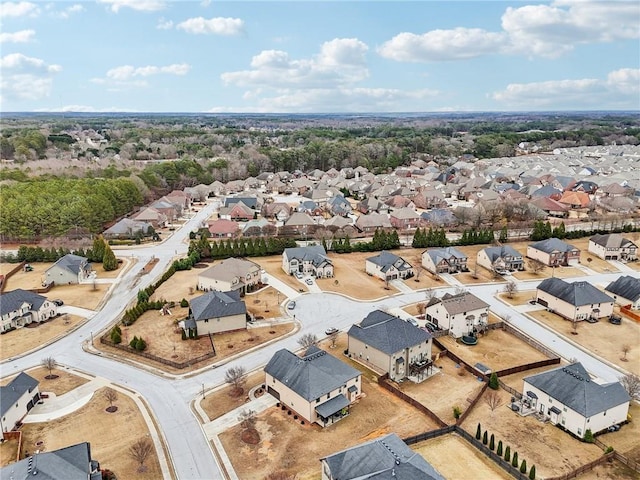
541 408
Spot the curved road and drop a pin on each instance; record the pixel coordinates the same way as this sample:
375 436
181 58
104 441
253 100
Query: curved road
169 397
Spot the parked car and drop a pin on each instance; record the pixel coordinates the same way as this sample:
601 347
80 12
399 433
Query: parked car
291 305
615 319
592 319
308 281
299 275
613 428
331 331
432 327
58 302
412 321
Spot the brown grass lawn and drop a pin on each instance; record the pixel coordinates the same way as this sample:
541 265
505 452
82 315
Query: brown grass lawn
65 382
437 452
181 285
518 298
446 389
25 339
273 266
609 471
221 401
560 272
497 350
627 439
8 451
596 263
602 338
264 303
551 450
92 423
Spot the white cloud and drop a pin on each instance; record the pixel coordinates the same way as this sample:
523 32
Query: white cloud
26 78
126 72
205 3
83 109
620 89
341 61
164 24
22 36
140 5
440 45
18 9
67 12
215 26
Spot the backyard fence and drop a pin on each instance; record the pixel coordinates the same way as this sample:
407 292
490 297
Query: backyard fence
472 404
585 468
626 311
15 269
529 366
535 344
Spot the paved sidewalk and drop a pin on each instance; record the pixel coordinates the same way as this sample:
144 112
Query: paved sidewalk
401 286
284 289
81 312
451 280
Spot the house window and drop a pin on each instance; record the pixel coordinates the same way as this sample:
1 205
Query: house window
550 400
579 431
605 413
206 320
564 409
317 400
328 395
563 421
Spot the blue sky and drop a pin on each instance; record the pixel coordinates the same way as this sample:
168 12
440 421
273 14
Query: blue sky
319 57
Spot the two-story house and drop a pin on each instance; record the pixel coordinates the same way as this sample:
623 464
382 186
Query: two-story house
17 398
390 345
461 314
230 274
216 312
613 246
553 252
317 386
625 290
311 260
405 218
22 307
573 301
444 260
388 266
504 258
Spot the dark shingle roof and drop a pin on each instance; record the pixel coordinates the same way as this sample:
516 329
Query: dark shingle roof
10 393
553 245
217 304
69 463
314 374
576 293
460 303
627 287
612 240
383 458
387 259
316 254
71 262
387 333
13 300
437 254
493 253
572 387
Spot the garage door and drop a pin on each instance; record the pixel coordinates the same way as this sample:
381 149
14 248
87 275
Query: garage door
542 302
273 392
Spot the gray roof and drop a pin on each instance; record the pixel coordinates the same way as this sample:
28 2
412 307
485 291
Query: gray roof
551 245
332 406
10 393
572 387
576 293
69 463
437 254
494 253
217 304
316 254
387 259
311 376
384 458
387 333
627 287
13 300
612 240
71 262
463 302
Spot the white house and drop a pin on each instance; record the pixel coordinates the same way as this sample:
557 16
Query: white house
625 290
22 307
500 259
230 274
388 266
569 398
312 260
613 246
68 270
461 314
444 260
16 399
573 301
554 252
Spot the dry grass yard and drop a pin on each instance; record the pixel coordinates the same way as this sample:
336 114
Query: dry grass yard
93 424
8 452
35 335
65 382
610 471
437 451
497 349
602 338
553 451
627 439
518 298
221 401
273 266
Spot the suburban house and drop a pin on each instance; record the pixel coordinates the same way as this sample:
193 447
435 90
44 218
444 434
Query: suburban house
390 345
17 398
569 398
311 260
22 307
444 260
238 212
405 219
625 290
613 246
573 301
553 252
385 457
230 274
67 270
127 228
223 228
461 314
504 258
388 266
68 463
152 216
216 312
370 222
317 386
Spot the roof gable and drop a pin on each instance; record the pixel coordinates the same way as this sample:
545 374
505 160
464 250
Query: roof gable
576 293
388 333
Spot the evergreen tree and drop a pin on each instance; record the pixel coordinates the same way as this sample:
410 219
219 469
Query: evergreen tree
346 247
523 466
109 260
133 342
261 250
514 462
394 240
499 449
97 252
548 231
504 235
116 337
532 473
560 231
417 241
485 438
492 442
478 432
493 381
507 453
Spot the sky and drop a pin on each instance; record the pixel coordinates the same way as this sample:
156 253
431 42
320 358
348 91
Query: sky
362 56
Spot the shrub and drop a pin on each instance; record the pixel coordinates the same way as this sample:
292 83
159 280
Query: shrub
184 303
116 337
478 432
141 345
588 436
457 412
514 462
609 449
492 442
485 438
507 453
499 450
532 473
493 381
523 466
133 342
184 334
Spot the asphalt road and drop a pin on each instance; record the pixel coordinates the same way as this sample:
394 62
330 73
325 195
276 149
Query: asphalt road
169 397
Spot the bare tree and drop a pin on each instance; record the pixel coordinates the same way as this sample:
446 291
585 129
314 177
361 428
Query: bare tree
459 290
333 337
631 383
429 294
625 349
111 395
536 266
511 288
49 363
492 399
140 451
247 419
307 340
236 377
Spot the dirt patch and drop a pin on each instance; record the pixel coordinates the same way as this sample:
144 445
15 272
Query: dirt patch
437 452
602 338
610 471
22 340
8 451
222 401
496 349
93 424
65 382
554 452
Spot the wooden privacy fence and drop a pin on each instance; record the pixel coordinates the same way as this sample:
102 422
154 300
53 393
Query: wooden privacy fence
15 269
584 468
473 403
529 366
626 311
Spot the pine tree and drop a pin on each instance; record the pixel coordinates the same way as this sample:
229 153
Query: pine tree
499 449
97 252
416 243
492 442
133 342
493 381
504 235
485 438
532 473
523 466
507 453
478 432
346 246
109 260
514 462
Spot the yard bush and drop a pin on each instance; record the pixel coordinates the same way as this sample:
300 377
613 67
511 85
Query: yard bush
514 462
588 436
457 412
485 438
184 303
141 345
499 450
492 442
116 337
523 466
532 473
478 432
133 342
493 381
507 453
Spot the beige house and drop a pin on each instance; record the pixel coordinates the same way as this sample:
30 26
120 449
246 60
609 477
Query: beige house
312 260
68 270
390 345
613 246
573 301
461 314
388 266
16 399
19 308
230 274
316 386
553 252
444 260
216 312
625 290
567 397
500 259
